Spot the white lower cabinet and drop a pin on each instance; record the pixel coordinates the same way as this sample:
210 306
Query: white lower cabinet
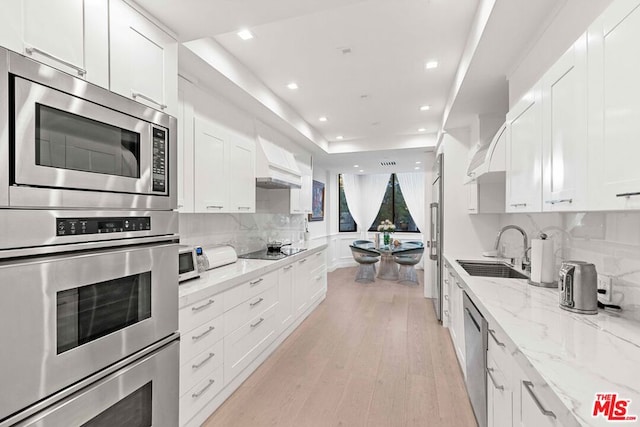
499 382
224 337
455 314
531 406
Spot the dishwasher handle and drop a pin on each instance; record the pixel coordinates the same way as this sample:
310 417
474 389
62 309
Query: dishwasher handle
475 323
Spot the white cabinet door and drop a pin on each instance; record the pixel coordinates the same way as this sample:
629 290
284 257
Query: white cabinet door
286 310
211 185
242 175
185 147
614 108
524 154
54 32
564 142
144 59
472 197
301 284
456 316
301 198
11 25
499 396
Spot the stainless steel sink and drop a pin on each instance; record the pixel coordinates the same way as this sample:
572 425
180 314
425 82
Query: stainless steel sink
491 269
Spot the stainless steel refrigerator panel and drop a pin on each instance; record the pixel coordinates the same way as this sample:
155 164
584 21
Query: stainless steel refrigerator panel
71 315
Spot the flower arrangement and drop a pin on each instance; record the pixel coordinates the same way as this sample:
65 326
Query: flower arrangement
386 227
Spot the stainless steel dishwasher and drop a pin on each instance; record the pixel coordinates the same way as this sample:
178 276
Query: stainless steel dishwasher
475 339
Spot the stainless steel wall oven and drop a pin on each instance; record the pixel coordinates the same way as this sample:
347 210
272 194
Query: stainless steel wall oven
88 254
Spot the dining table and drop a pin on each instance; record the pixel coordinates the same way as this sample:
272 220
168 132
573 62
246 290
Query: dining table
388 268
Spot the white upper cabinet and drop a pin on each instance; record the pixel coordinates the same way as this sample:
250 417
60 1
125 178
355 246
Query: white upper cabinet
70 35
185 147
242 174
300 198
614 108
524 154
211 184
564 141
144 59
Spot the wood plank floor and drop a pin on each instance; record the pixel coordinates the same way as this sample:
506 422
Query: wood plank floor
369 355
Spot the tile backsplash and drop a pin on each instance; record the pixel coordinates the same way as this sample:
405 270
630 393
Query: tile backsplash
610 240
245 232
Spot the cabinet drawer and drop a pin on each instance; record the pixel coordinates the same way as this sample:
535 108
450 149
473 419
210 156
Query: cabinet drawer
240 314
199 339
250 289
496 375
247 342
318 259
200 394
196 369
203 311
318 283
497 347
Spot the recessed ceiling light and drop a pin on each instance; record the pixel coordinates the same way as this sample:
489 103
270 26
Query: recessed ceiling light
361 170
421 130
431 65
417 168
245 34
417 163
293 85
339 137
425 108
323 119
356 166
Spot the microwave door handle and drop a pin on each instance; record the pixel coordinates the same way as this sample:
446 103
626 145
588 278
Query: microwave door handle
135 95
433 250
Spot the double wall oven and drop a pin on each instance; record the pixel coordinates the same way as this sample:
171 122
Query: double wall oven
88 254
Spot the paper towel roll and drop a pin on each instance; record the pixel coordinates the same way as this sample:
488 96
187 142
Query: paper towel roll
542 262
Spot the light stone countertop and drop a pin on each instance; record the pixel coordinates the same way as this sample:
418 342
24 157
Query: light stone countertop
220 279
576 355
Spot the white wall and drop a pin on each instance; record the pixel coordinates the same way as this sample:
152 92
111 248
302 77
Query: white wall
570 22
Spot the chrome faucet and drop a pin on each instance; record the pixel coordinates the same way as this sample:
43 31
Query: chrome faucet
525 240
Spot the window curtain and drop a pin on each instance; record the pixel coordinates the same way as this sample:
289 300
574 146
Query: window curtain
412 186
364 194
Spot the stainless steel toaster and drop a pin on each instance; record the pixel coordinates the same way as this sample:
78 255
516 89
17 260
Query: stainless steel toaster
578 286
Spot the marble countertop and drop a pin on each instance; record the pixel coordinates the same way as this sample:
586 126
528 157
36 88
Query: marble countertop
576 355
220 279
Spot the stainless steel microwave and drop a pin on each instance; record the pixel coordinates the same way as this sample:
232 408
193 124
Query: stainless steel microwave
66 143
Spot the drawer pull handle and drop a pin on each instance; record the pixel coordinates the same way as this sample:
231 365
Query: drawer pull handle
458 284
318 278
180 206
492 332
255 282
529 386
206 359
628 194
515 205
214 207
202 307
450 274
253 325
446 313
135 95
289 267
302 261
493 380
446 281
245 208
253 304
446 297
199 393
31 50
205 333
553 202
319 253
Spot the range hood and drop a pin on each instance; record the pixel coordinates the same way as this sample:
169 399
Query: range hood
276 167
488 158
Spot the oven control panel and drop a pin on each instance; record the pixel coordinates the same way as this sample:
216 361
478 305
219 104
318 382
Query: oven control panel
159 160
78 226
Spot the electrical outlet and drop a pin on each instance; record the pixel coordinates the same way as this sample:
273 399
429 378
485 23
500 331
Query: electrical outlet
605 282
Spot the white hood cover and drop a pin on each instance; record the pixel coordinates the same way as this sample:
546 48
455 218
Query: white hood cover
276 167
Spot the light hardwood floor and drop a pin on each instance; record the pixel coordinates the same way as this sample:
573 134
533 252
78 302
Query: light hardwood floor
369 355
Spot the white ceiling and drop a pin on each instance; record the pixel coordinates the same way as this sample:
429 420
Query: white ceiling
371 95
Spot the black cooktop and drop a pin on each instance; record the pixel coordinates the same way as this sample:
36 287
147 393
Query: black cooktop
273 256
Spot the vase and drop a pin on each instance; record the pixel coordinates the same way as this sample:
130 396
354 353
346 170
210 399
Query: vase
387 239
